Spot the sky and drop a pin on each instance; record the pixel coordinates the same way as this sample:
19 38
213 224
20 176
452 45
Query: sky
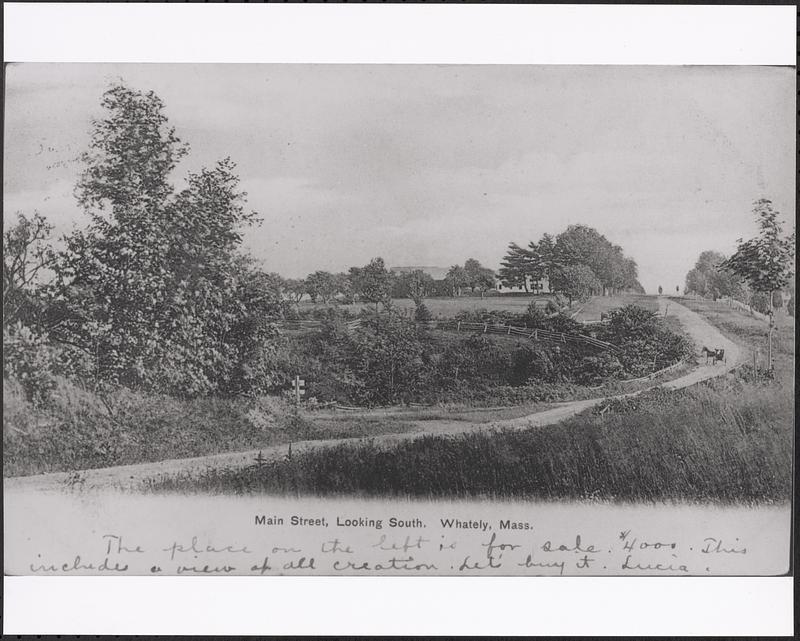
434 164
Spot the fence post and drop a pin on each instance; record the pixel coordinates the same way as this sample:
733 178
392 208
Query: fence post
485 326
458 329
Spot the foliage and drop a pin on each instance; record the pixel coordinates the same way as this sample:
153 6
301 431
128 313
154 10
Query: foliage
416 285
154 289
29 359
766 262
457 279
294 289
515 267
708 278
27 254
576 282
422 313
372 283
646 343
321 285
477 276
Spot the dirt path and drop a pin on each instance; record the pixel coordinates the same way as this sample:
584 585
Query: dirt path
130 476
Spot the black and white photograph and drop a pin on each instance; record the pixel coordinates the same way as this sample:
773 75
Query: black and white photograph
329 318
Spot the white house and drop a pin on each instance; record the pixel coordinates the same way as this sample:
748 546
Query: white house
540 286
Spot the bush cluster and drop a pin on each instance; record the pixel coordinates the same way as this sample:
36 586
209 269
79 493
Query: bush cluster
391 359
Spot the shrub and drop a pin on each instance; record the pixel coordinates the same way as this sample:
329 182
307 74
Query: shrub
29 359
422 313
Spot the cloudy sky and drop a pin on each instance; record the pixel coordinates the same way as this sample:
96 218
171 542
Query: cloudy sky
431 165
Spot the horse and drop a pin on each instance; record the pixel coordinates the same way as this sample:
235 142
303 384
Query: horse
714 354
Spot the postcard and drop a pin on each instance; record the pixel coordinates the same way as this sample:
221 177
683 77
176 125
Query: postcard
465 320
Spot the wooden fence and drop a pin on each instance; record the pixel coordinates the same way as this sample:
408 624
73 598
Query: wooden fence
531 333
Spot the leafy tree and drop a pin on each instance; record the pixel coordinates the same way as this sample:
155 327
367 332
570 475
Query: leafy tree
583 245
709 278
416 285
27 255
457 279
389 360
478 276
576 282
766 262
294 289
372 283
546 249
152 288
343 287
514 268
321 285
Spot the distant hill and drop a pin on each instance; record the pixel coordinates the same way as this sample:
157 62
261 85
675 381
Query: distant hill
437 273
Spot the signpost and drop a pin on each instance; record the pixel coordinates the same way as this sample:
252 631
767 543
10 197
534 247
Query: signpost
298 385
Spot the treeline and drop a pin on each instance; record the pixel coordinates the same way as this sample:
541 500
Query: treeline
375 283
578 263
761 271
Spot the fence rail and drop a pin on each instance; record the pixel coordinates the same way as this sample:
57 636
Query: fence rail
531 333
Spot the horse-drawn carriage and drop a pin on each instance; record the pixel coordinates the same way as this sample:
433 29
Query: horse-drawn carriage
716 355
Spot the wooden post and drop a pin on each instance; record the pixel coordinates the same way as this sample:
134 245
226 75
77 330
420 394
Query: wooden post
769 346
458 329
755 363
297 390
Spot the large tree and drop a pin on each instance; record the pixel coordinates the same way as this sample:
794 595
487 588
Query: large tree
765 262
478 276
456 279
709 278
416 285
583 245
514 268
153 286
321 285
576 282
372 283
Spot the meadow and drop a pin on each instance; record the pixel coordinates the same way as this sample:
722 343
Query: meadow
597 305
450 306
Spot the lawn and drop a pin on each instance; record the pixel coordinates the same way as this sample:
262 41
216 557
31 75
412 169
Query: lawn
596 305
449 307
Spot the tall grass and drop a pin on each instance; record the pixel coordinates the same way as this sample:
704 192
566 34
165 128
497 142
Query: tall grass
80 429
711 442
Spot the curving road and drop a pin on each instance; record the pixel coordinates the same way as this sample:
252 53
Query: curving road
131 476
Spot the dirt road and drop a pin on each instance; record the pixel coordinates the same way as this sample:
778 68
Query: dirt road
131 476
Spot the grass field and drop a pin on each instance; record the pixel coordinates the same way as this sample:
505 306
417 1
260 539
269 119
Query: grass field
596 305
449 307
728 440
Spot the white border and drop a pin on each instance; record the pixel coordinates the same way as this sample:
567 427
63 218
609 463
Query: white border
529 34
496 34
403 606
